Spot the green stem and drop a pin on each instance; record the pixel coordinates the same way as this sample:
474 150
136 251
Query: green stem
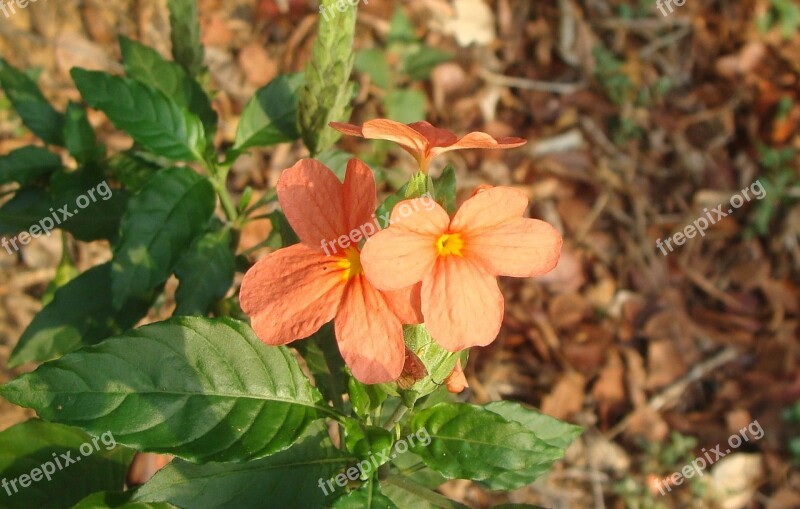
398 414
219 178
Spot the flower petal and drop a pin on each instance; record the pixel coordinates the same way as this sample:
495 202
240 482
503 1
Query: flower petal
370 336
401 255
520 247
456 381
406 304
291 293
480 140
488 209
360 199
436 137
382 129
349 129
311 197
462 304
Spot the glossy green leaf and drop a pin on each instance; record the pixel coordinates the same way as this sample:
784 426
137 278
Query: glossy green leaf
369 496
290 479
80 314
79 136
105 500
405 106
159 225
364 398
187 49
471 442
132 170
31 106
151 117
321 353
549 429
27 164
201 389
85 204
445 189
365 441
270 116
34 447
17 214
146 65
205 273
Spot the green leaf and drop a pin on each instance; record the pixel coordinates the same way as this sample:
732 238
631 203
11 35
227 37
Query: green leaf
197 388
401 30
105 500
79 136
205 273
471 442
420 64
85 204
548 429
31 106
405 106
131 170
369 496
321 353
419 185
27 164
405 492
146 65
26 208
364 398
187 49
34 446
327 93
438 362
80 314
445 188
270 116
290 479
373 62
159 225
151 118
65 272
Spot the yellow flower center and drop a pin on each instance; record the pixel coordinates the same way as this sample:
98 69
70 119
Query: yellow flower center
351 263
449 244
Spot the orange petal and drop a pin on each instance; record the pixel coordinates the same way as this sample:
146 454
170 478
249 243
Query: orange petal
311 197
359 198
381 129
480 140
402 254
370 336
519 247
488 209
436 137
291 293
462 304
349 129
456 381
406 304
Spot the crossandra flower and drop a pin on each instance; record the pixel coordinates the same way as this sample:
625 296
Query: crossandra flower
291 293
458 260
422 140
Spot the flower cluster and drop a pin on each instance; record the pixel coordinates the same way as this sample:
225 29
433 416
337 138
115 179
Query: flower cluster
425 267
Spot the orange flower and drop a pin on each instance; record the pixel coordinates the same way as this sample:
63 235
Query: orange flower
422 140
458 260
291 293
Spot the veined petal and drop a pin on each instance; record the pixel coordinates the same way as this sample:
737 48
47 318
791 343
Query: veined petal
359 196
349 129
406 304
401 255
311 197
436 137
480 140
369 335
519 247
382 129
291 293
489 208
462 304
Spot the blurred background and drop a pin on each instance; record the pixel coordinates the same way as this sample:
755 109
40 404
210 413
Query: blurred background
639 116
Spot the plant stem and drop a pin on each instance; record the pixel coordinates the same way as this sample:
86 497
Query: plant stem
398 414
